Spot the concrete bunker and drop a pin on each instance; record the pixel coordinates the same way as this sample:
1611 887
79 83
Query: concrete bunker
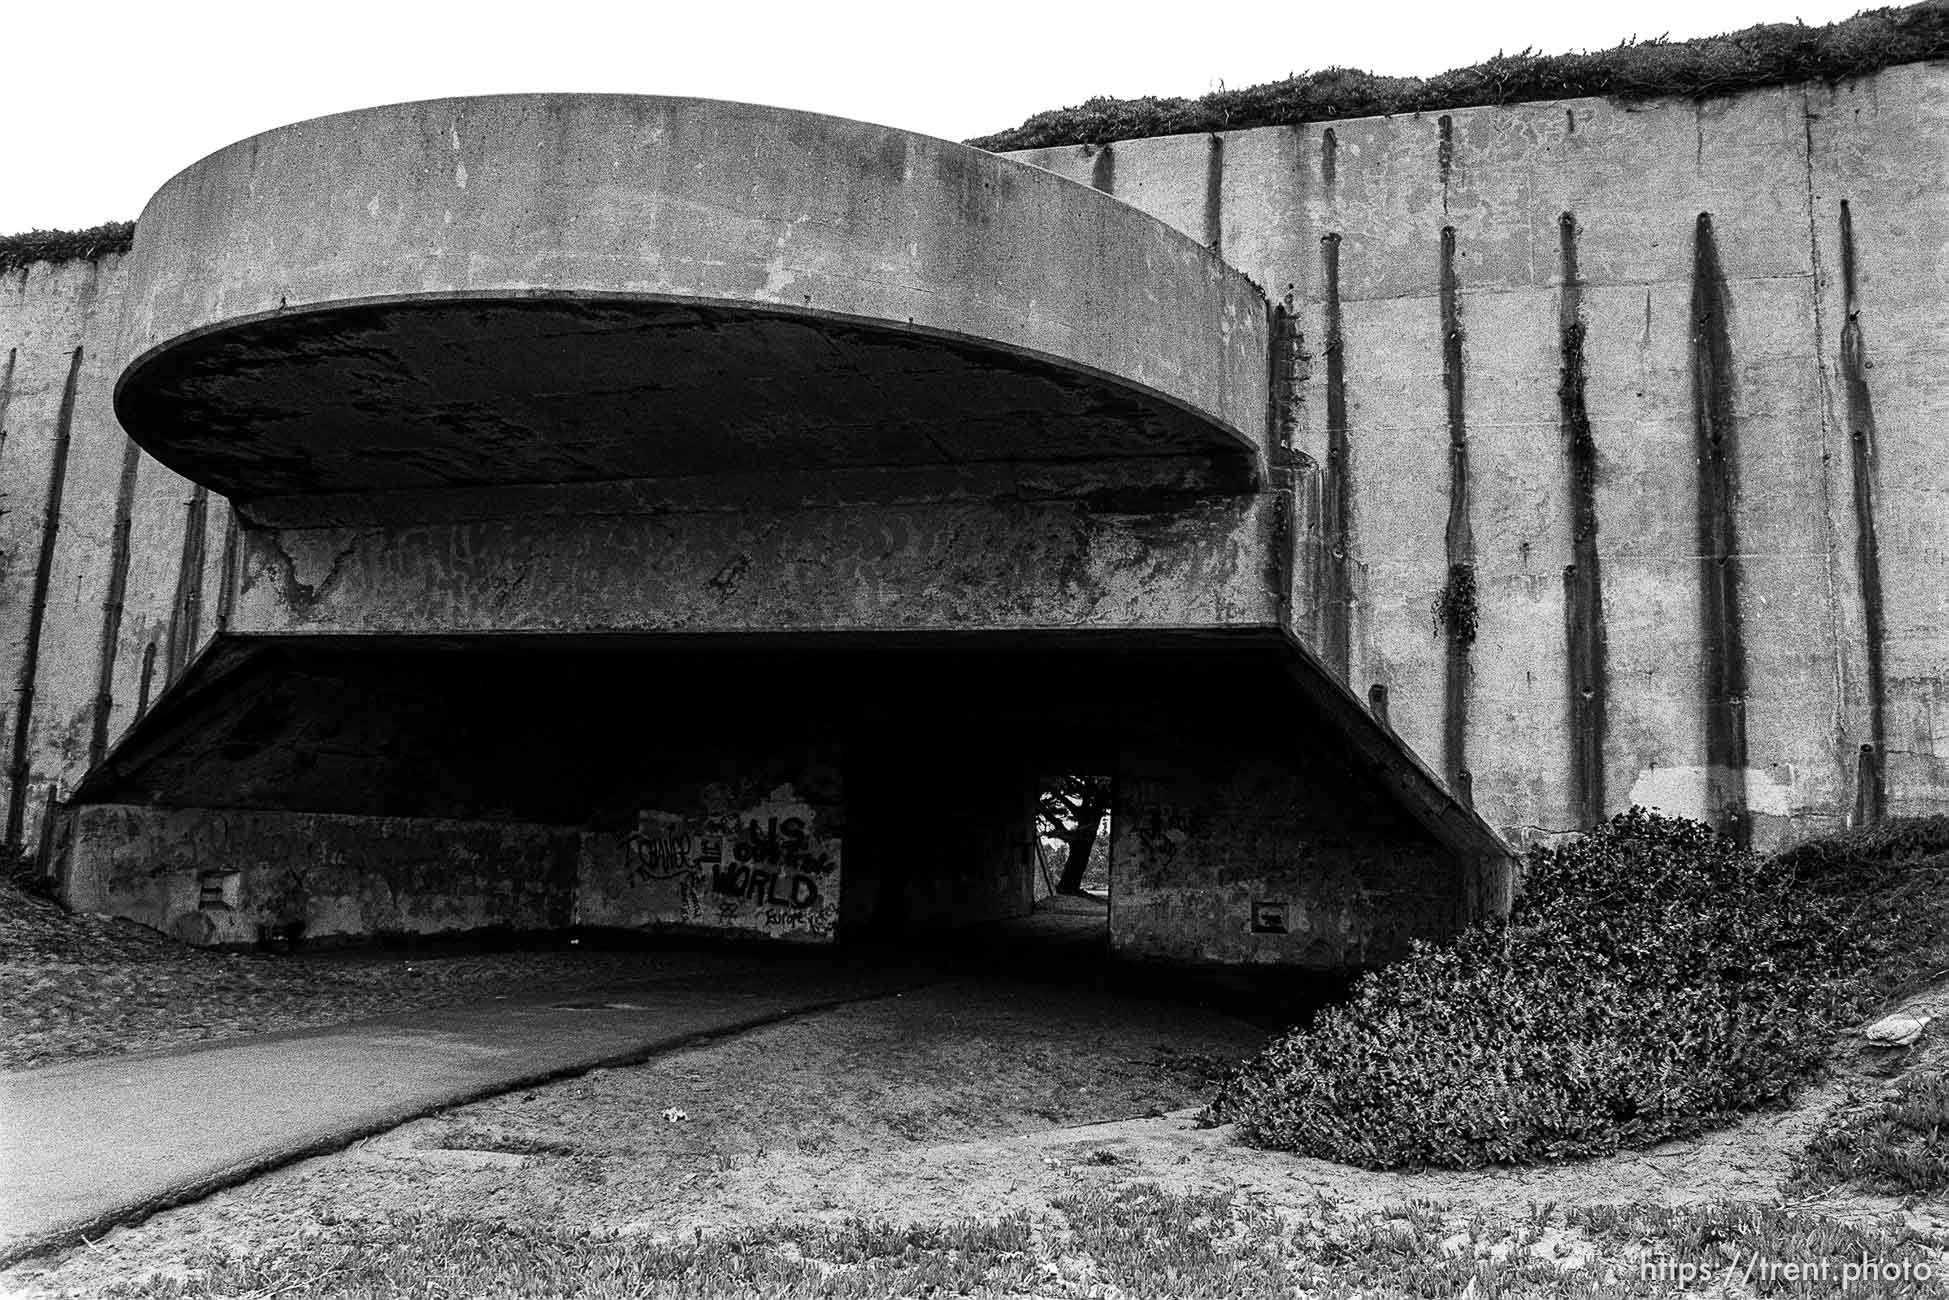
670 513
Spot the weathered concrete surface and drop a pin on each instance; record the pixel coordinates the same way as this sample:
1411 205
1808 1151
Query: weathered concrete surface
545 288
915 566
764 861
1239 852
1771 167
238 876
89 1145
47 312
1885 278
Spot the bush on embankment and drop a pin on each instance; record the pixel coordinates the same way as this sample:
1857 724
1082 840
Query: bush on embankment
1651 979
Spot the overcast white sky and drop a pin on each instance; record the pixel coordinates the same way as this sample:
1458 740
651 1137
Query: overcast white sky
101 103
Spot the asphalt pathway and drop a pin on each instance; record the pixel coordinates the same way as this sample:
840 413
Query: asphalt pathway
95 1143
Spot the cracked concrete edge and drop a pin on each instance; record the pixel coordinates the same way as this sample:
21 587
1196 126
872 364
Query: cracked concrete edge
79 1232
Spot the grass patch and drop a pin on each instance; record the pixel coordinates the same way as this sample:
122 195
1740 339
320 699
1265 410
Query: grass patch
1896 1147
1143 1241
432 1255
1134 1241
1771 54
1651 980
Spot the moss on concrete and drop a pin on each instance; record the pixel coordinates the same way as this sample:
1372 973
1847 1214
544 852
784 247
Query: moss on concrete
65 245
1771 54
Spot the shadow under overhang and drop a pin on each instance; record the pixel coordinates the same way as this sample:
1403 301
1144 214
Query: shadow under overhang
444 392
565 729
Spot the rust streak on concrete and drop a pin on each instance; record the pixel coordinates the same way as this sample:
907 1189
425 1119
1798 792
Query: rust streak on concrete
1215 195
1103 169
1335 599
1458 629
1872 800
113 601
57 475
1723 669
187 609
1583 605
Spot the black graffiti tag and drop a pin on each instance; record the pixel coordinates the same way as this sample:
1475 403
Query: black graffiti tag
663 854
786 845
768 888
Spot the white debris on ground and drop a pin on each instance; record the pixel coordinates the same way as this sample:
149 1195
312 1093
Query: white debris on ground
1898 1030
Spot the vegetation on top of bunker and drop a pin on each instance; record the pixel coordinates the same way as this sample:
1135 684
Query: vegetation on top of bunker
1652 980
1770 54
88 245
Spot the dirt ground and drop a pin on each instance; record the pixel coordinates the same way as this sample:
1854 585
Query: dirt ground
805 1119
970 1097
965 1098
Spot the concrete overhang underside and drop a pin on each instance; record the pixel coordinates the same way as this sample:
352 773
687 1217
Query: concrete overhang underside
643 781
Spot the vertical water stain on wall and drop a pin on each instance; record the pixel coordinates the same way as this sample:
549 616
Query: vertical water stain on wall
188 606
57 476
1717 446
1283 367
1329 160
1103 169
1583 587
1872 797
1333 636
1445 155
148 677
1215 195
1283 364
227 574
118 581
1456 607
6 394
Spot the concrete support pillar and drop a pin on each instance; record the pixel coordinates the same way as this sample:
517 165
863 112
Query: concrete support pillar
1241 854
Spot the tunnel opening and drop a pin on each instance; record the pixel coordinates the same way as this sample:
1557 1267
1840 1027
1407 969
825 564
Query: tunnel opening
1073 843
862 793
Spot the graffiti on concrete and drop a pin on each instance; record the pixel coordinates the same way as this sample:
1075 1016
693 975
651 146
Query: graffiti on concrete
1152 837
660 848
767 867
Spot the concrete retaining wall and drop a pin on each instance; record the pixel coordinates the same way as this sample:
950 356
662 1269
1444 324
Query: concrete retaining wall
237 877
117 616
1522 349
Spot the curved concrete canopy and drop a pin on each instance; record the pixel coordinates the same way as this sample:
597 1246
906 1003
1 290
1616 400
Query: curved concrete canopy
568 287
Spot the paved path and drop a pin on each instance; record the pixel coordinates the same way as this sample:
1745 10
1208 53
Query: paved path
92 1144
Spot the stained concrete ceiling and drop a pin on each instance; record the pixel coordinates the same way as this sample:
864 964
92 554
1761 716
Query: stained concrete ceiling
447 393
